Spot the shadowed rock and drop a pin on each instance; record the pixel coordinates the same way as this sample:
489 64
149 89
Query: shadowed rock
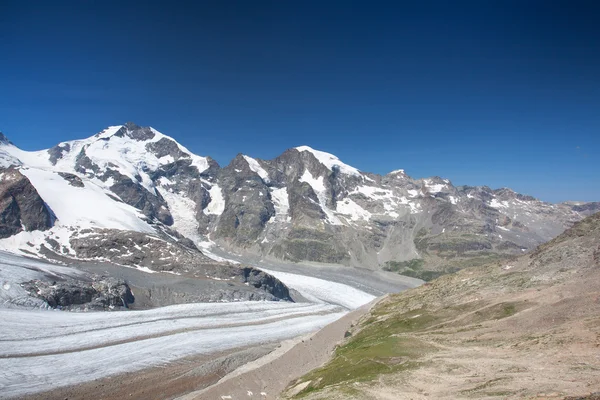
21 207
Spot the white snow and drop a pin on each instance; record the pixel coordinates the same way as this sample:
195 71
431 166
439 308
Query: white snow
182 210
128 156
108 132
498 204
15 270
354 211
256 167
42 350
281 202
389 200
75 208
374 192
97 328
7 159
321 192
201 163
330 161
217 201
322 291
313 289
412 192
205 333
414 207
168 159
435 187
86 207
397 171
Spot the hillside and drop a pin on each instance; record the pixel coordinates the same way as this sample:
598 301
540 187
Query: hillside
525 329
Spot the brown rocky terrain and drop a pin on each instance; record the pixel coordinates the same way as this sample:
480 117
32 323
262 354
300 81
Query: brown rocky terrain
529 328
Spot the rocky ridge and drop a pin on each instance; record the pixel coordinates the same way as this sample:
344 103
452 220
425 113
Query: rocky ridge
305 205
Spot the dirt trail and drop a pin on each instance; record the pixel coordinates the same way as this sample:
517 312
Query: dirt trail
265 379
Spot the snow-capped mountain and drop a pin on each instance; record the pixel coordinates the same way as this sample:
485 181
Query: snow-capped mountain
303 205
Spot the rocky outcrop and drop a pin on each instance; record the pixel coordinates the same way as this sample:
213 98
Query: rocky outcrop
73 180
181 258
57 152
21 207
248 204
98 294
151 204
268 283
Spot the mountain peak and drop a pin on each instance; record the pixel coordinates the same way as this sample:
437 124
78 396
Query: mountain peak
329 160
108 132
131 126
130 130
139 133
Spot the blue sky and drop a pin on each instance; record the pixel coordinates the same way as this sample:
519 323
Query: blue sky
497 93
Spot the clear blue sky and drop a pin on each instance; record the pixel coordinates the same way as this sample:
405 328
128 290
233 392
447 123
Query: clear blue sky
501 93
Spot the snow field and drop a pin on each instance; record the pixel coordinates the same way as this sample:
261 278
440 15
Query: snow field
45 349
20 376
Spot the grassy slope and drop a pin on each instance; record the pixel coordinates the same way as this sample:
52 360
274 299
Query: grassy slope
526 328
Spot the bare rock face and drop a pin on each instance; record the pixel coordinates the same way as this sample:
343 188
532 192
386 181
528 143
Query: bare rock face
181 258
57 152
268 283
249 207
99 294
21 207
73 180
151 204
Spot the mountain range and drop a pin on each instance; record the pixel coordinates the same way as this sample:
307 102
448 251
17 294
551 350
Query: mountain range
134 196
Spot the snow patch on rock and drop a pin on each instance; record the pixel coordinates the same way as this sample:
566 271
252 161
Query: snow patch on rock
330 161
349 208
85 207
182 210
256 167
281 203
217 202
321 192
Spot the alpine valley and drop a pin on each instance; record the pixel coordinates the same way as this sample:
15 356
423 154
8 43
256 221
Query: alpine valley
218 272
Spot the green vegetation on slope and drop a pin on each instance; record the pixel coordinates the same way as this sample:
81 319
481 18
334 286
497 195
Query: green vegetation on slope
406 332
377 349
